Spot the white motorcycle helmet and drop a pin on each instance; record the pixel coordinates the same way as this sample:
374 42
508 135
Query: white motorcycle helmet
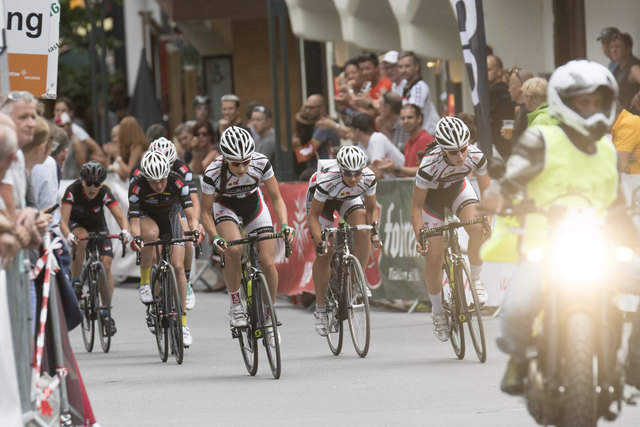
577 78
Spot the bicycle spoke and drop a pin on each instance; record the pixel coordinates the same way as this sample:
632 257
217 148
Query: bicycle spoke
472 313
358 307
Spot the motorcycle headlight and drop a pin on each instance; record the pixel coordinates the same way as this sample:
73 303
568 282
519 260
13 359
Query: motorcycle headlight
623 254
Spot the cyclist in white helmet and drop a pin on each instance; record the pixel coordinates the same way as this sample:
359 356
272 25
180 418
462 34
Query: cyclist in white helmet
349 187
441 182
231 194
156 197
166 147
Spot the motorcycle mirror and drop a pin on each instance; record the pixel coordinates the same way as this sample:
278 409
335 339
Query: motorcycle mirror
496 167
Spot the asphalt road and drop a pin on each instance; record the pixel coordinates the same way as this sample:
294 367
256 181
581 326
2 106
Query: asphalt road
409 378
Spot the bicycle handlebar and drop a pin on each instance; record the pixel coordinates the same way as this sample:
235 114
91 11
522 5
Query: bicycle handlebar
425 233
192 236
256 238
100 235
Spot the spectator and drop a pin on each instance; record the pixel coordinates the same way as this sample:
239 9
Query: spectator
416 90
517 77
354 76
627 72
390 68
377 146
418 143
9 237
111 148
183 135
203 150
625 133
534 92
500 104
155 131
230 105
306 132
266 141
39 148
131 145
247 112
606 35
83 147
60 145
370 70
388 121
202 111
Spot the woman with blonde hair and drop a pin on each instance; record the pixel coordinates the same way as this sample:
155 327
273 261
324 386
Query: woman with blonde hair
534 93
132 143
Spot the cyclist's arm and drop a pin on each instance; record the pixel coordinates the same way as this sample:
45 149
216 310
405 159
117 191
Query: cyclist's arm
483 182
370 208
417 202
314 220
65 213
279 207
196 206
134 226
190 213
118 215
206 205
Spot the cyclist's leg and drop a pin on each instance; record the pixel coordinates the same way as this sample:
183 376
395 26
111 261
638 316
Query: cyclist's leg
356 215
433 216
320 269
148 231
106 261
177 261
263 224
76 263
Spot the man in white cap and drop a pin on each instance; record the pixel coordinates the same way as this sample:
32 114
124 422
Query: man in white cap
390 68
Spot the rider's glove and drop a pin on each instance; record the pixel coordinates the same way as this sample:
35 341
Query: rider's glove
321 248
72 239
199 237
136 241
125 236
288 232
219 242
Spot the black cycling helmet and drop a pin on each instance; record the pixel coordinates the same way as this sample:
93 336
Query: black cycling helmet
93 172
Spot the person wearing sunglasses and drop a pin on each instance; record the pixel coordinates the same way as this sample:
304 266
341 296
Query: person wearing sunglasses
82 211
441 182
158 198
349 187
231 194
168 149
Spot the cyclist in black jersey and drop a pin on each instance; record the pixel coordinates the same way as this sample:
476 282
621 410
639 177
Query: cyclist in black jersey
82 212
155 199
166 147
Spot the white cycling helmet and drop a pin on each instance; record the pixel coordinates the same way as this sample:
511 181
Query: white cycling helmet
155 165
166 147
578 78
236 144
351 158
452 134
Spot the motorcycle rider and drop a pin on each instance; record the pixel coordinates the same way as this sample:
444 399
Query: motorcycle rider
574 156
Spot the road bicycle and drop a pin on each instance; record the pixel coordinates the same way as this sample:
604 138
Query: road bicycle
96 302
164 314
262 319
459 297
347 295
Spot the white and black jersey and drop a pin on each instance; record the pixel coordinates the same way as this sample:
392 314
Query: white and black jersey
327 184
259 170
436 172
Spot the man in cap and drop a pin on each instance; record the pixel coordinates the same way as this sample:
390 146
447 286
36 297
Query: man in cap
605 38
390 68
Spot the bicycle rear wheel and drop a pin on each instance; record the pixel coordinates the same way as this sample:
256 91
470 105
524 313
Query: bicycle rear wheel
88 311
333 300
174 303
246 336
159 291
471 311
451 305
103 306
269 322
357 306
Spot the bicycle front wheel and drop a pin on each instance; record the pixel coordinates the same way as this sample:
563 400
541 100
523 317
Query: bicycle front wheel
269 322
159 291
247 336
103 307
472 311
333 300
175 315
357 306
451 305
88 310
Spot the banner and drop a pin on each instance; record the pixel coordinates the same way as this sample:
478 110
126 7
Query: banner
32 30
474 49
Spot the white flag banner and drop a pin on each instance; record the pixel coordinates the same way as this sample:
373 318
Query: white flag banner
32 31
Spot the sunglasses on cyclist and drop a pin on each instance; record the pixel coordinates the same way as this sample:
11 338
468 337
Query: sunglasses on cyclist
460 151
17 95
351 173
238 164
92 184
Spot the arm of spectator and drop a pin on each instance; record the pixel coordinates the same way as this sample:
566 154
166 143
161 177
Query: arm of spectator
125 168
95 152
634 77
43 221
223 124
343 132
9 248
208 158
389 166
6 226
624 160
79 152
6 192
